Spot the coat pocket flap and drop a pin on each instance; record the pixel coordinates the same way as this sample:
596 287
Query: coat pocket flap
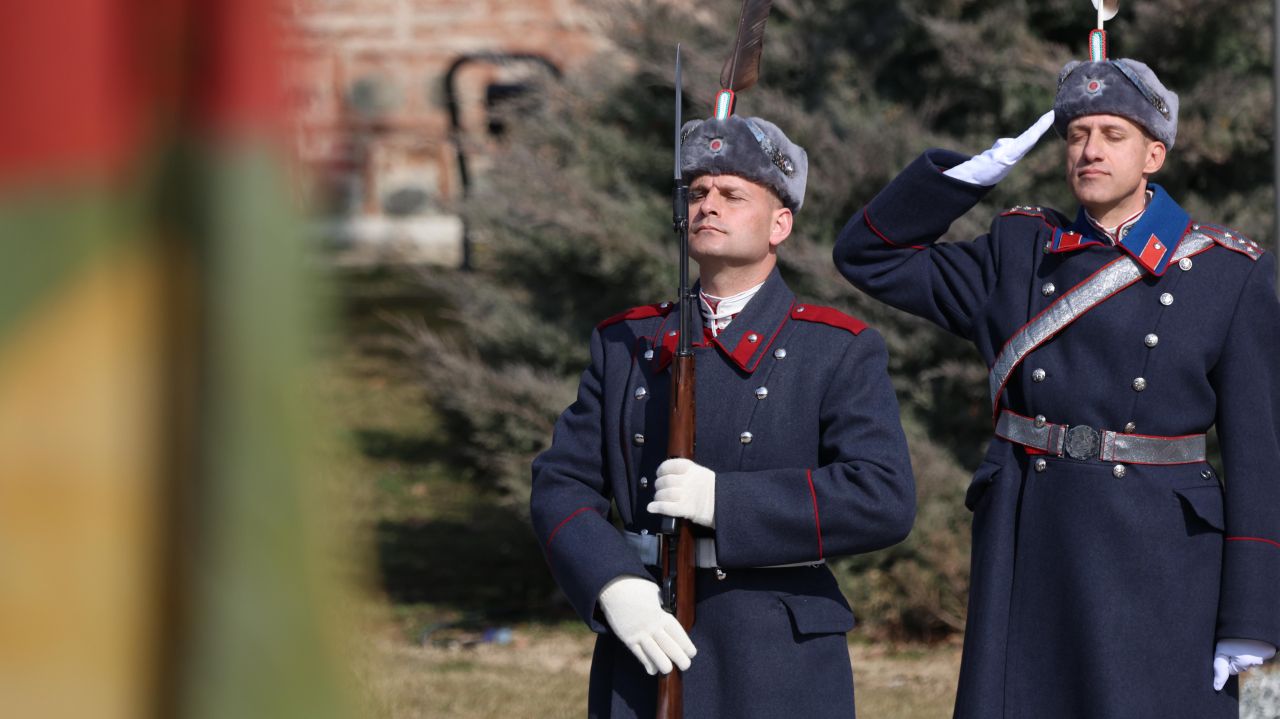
1205 502
981 482
818 615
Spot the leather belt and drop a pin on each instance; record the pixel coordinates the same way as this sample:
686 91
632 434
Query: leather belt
1084 442
704 552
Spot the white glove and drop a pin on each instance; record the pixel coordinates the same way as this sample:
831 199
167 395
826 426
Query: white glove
993 165
635 614
1234 656
685 489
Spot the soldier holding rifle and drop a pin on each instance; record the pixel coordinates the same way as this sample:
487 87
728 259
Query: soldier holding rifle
1114 572
799 457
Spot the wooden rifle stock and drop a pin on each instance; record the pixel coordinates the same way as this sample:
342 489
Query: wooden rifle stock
677 546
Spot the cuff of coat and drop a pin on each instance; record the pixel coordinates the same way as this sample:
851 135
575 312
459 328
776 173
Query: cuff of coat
766 519
585 554
1250 584
895 213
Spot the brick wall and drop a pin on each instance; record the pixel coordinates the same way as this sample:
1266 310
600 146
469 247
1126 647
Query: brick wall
373 131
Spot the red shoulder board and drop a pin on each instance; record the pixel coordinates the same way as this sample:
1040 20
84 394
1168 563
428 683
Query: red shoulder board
1028 210
827 316
661 309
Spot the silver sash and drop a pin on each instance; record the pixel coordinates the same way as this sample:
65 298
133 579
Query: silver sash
1073 305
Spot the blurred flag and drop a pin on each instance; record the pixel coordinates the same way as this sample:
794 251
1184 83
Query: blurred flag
157 555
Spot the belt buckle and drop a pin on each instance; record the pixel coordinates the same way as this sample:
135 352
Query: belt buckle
1083 442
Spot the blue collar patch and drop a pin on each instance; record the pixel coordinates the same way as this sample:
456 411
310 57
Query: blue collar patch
1151 241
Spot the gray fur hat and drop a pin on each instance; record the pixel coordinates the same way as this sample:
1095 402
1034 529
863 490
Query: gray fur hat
1123 87
748 147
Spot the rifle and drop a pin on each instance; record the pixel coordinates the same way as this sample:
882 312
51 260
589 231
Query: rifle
676 535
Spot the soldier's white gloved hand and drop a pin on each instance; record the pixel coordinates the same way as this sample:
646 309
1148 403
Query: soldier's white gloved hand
993 165
634 612
685 489
1234 656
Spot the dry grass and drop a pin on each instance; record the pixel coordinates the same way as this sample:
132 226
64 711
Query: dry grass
543 672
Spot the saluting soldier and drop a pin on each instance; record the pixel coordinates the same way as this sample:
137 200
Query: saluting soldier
800 457
1112 574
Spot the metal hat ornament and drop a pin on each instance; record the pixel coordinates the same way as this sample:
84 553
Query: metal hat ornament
1123 87
1107 9
742 69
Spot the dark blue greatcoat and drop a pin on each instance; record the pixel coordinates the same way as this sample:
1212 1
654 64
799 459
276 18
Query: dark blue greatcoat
797 417
1096 596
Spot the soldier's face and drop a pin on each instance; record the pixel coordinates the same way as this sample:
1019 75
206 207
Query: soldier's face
1108 160
734 222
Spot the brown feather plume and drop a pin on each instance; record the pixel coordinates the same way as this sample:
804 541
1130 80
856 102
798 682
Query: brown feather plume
742 69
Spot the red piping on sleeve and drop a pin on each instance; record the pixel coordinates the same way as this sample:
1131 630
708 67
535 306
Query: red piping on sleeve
1254 539
866 217
808 474
576 512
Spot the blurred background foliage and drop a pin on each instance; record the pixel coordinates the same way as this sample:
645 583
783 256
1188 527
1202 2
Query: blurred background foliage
574 225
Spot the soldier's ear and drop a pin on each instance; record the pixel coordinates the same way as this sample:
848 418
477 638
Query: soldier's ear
1156 153
781 227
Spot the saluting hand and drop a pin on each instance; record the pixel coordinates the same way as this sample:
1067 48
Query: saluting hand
1235 656
685 489
994 165
635 614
